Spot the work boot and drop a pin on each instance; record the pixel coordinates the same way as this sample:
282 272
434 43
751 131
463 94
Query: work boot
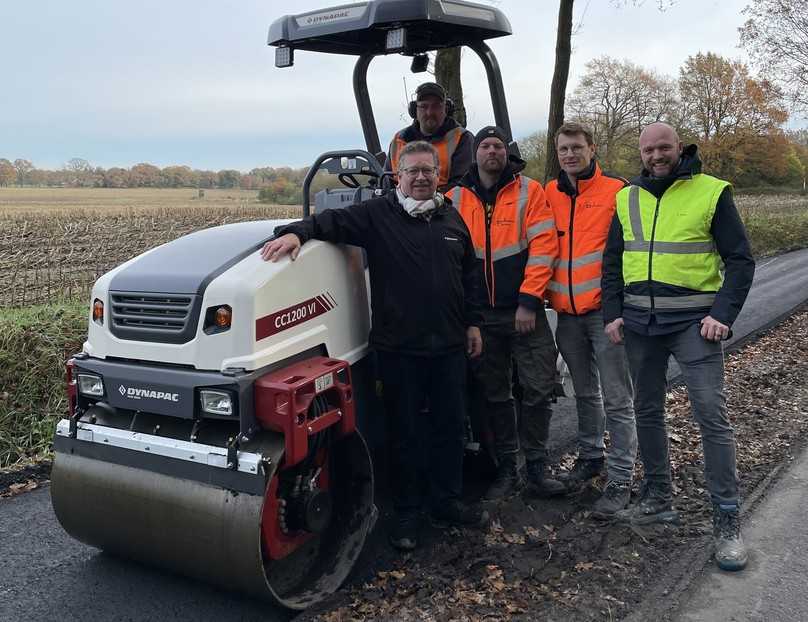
539 483
455 513
583 470
507 483
653 506
730 552
404 533
615 497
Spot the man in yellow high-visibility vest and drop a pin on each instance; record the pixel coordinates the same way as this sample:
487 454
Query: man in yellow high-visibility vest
676 271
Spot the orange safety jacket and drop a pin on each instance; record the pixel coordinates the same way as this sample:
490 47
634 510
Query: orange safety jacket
514 240
583 216
445 146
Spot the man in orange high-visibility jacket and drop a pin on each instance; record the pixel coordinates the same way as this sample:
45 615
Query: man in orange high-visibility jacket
431 111
583 203
515 243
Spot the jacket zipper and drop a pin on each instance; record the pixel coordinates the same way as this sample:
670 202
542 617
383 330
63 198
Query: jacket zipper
432 266
489 264
569 265
651 254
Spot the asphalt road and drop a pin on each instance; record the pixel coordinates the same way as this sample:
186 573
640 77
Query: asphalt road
772 587
45 575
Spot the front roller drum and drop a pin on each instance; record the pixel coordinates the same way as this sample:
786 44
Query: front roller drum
214 534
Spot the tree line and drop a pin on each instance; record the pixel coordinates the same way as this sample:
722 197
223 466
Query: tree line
280 185
736 119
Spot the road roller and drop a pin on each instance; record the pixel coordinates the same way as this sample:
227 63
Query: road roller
223 410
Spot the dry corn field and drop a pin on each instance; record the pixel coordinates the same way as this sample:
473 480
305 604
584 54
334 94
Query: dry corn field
56 242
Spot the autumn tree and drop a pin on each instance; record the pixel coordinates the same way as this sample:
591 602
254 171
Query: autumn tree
776 37
144 175
7 172
23 168
616 99
728 112
534 151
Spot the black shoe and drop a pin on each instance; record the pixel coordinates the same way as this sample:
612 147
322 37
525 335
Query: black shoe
653 506
539 483
730 552
615 497
404 533
455 513
583 470
508 482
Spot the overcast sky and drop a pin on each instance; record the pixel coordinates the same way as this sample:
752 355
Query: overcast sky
193 82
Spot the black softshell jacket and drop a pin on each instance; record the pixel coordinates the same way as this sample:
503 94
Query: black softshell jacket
421 271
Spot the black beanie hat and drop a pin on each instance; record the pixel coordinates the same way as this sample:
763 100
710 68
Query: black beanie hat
487 132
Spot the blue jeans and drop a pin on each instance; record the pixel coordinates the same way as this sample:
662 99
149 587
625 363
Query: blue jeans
603 393
702 365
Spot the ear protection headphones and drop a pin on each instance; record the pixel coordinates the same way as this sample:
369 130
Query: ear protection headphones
412 108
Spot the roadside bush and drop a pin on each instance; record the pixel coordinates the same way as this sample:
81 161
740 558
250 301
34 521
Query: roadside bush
35 342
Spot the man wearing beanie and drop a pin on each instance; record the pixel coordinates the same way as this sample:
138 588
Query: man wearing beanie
515 243
431 112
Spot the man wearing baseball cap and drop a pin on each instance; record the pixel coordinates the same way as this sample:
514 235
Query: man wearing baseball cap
431 112
515 243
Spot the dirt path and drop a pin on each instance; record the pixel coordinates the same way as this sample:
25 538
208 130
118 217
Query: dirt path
551 561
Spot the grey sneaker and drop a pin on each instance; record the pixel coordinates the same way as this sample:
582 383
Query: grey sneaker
583 470
539 483
507 483
615 497
730 552
653 506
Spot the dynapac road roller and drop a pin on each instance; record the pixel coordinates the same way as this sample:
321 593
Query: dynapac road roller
220 405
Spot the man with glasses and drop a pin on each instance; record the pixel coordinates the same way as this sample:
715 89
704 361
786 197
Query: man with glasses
583 203
676 271
515 243
424 325
431 112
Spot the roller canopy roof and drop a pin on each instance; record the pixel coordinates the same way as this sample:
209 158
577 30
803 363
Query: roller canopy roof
361 28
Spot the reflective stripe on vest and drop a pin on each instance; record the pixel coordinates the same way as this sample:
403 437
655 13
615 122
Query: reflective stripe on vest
639 243
446 145
670 302
577 288
583 260
668 240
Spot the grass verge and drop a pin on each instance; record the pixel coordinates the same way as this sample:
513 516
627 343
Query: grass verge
34 344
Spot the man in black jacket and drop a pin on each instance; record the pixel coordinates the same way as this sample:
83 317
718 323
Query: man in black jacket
423 325
431 112
676 271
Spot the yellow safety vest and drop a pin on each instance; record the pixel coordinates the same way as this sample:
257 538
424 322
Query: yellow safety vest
669 241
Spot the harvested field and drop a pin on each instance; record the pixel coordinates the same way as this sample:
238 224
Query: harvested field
57 242
549 560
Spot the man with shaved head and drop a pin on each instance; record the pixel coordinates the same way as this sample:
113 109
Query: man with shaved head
676 271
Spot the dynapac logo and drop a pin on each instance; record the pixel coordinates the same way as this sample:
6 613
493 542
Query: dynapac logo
327 17
135 393
292 316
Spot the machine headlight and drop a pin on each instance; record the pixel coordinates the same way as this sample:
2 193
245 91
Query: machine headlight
396 40
91 385
216 402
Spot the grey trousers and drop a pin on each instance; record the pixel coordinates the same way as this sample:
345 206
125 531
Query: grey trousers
535 356
603 393
702 365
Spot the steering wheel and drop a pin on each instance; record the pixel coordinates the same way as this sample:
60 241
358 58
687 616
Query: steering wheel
347 179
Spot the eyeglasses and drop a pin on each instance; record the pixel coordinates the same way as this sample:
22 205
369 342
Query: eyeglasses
575 150
414 171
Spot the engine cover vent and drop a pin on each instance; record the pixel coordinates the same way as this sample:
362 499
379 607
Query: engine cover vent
163 318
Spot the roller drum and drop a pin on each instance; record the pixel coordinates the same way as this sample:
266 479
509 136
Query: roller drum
214 534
